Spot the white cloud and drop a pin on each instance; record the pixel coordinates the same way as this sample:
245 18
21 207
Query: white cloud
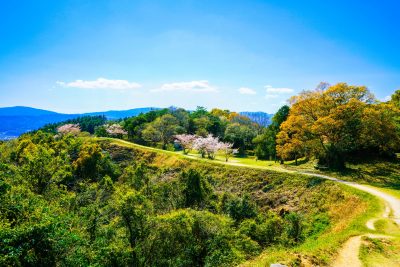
100 83
246 91
201 86
269 96
281 90
387 98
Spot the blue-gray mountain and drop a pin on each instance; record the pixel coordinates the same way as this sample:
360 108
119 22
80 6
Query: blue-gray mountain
259 117
15 121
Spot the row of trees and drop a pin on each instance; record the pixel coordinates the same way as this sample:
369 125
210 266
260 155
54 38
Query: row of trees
160 127
330 124
106 130
86 124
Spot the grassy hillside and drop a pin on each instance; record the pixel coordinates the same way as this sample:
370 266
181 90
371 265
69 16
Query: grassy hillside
333 212
83 201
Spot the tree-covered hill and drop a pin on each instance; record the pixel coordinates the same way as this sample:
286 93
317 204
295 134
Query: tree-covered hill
69 200
15 121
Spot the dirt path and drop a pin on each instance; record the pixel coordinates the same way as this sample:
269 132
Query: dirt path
349 254
392 203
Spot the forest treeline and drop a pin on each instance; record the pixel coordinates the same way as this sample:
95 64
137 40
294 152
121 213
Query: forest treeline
329 124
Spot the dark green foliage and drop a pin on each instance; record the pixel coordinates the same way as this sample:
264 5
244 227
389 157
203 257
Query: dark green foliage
86 123
195 188
135 125
33 246
294 228
238 208
101 131
266 230
240 135
265 143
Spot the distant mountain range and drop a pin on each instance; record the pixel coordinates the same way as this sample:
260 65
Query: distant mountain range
15 121
259 117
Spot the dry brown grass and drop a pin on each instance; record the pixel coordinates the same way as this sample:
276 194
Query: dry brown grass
344 212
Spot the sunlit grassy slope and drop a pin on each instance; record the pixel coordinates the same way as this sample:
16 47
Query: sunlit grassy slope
276 188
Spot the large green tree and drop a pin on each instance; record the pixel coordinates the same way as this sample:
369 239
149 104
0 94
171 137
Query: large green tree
162 130
265 143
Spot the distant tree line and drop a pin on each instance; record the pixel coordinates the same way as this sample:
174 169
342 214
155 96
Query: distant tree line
329 124
86 124
159 128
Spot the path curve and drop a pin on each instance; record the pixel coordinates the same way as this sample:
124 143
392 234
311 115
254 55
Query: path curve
348 254
392 202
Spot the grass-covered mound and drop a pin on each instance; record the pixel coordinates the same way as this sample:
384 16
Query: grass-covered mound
77 202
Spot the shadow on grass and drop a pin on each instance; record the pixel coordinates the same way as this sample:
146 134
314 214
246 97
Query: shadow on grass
299 162
376 171
381 173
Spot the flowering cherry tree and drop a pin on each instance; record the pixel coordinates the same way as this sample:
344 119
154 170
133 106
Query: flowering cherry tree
186 141
116 130
200 146
227 149
207 145
212 145
70 128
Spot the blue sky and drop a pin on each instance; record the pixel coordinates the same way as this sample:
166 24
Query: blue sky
79 56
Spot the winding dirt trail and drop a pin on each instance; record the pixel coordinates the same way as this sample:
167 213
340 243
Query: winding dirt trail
348 254
392 203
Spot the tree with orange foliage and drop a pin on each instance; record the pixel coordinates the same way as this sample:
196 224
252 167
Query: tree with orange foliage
332 122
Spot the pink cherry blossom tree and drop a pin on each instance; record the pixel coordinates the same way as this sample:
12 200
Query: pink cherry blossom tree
116 130
212 146
208 145
200 146
186 141
70 128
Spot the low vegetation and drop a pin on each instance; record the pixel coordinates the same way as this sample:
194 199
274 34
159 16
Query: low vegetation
380 252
